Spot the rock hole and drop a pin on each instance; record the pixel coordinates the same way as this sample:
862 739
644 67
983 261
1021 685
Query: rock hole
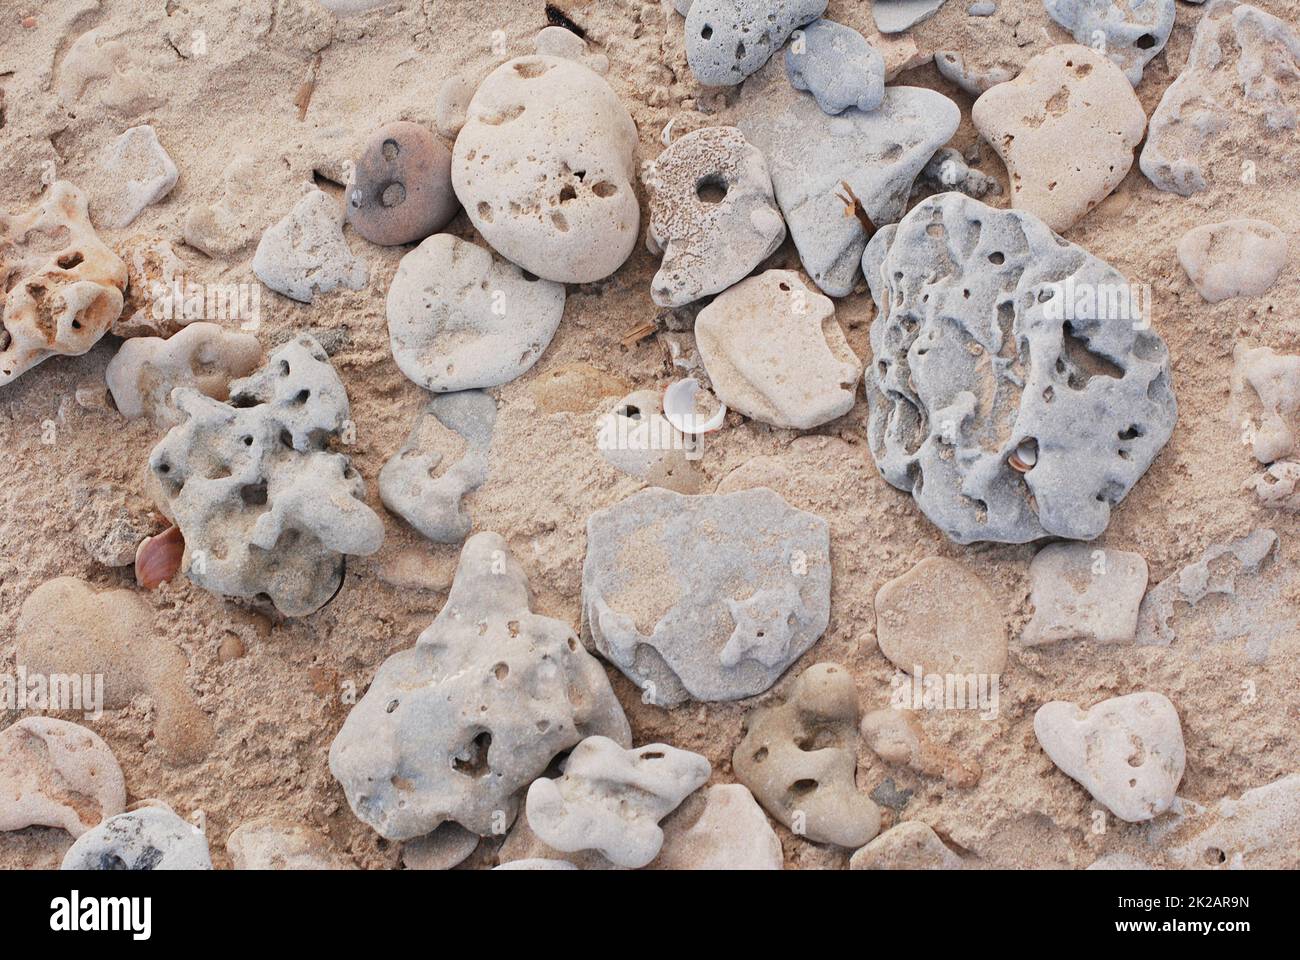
652 755
302 397
485 211
711 189
1132 433
530 69
1145 42
604 189
473 760
801 788
392 705
390 150
501 670
394 194
253 494
560 222
69 260
997 258
1084 364
1214 856
707 32
760 755
567 193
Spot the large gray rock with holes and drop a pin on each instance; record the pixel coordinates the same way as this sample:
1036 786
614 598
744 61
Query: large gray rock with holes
727 40
1009 406
1130 35
150 838
457 726
837 66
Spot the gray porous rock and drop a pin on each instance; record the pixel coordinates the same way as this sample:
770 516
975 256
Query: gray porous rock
895 16
727 40
612 798
712 214
1130 34
458 726
149 838
1018 391
837 66
306 254
1259 830
407 484
265 503
705 597
948 170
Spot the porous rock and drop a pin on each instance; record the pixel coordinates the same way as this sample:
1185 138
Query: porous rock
305 254
638 439
57 774
1260 830
837 66
149 838
911 845
1082 592
138 173
153 271
953 65
1236 258
266 843
1130 35
457 726
727 40
1274 378
400 190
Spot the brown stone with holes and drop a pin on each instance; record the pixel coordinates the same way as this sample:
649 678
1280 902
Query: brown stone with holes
401 189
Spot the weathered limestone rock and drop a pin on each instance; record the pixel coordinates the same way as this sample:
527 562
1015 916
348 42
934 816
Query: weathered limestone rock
1083 592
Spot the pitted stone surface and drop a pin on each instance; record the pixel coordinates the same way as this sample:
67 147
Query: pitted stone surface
57 774
727 40
305 254
1130 35
149 838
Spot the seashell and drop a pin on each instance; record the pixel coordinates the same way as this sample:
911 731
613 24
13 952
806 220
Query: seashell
158 558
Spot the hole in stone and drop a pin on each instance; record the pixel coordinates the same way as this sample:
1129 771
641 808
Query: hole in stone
390 150
568 193
803 787
1145 42
707 32
1214 856
393 195
501 670
392 705
253 494
1084 364
604 189
472 761
70 260
997 258
711 189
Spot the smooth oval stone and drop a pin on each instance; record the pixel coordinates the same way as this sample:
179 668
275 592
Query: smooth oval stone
1236 258
401 188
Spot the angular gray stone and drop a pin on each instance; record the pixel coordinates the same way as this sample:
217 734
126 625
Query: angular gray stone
707 597
1131 35
895 16
305 253
989 353
150 838
727 40
1079 591
837 66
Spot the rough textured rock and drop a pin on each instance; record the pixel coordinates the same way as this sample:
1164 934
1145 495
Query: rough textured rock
110 519
1236 258
638 439
941 617
419 748
731 832
1260 830
150 838
774 352
203 356
1126 751
60 286
270 844
550 187
837 66
948 170
895 16
709 597
896 737
400 190
264 502
1277 487
461 319
974 79
138 173
305 254
1066 128
1237 88
1017 390
1130 35
909 846
152 268
444 848
811 791
57 774
727 40
611 799
1274 379
712 214
1079 591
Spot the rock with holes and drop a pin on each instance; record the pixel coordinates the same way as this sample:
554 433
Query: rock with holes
149 838
705 597
948 170
1126 751
911 845
458 726
1082 592
712 214
400 190
408 484
1018 389
305 254
1236 258
265 502
837 66
800 759
138 173
1066 128
1277 487
154 304
266 843
461 319
1274 379
57 774
203 356
838 178
1238 87
638 439
547 185
1129 35
611 799
727 40
64 286
895 16
1260 830
775 353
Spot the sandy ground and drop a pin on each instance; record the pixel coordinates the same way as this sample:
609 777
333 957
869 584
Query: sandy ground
218 79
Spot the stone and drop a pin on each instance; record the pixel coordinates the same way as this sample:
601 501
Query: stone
60 286
400 190
896 737
550 187
407 483
152 271
226 227
1276 487
67 626
266 843
1080 592
138 173
1235 258
1018 390
953 65
837 66
1130 35
305 254
1260 830
265 503
727 40
451 104
536 863
911 845
203 356
455 728
1237 88
895 16
150 838
460 318
941 617
948 170
1126 751
774 352
1274 379
799 758
612 798
1066 128
638 439
57 774
707 597
730 832
110 520
556 41
835 175
712 215
447 846
121 86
